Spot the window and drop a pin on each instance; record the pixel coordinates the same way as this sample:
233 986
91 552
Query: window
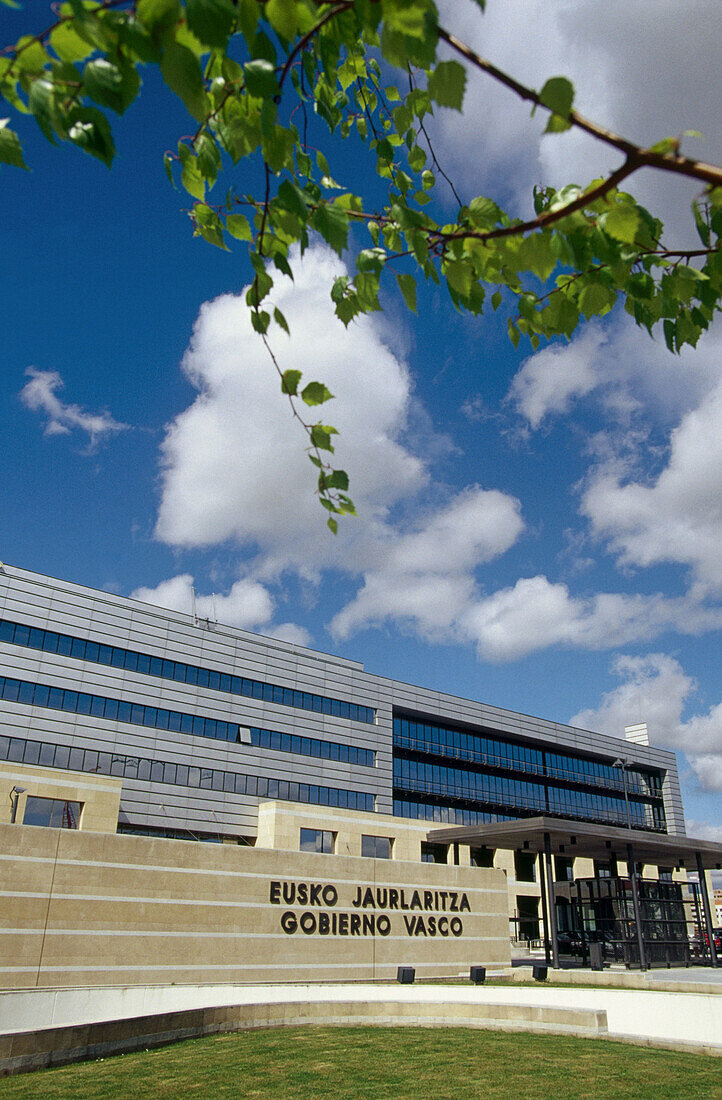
525 867
563 869
55 813
434 853
482 857
376 847
602 868
318 840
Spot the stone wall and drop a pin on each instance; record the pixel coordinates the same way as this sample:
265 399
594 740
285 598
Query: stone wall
81 908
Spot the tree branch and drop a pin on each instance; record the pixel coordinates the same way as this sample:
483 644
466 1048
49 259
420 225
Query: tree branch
666 162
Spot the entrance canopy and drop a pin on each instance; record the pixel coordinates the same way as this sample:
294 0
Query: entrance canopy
544 835
584 838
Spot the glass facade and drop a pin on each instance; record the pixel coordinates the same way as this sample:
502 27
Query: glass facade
461 776
138 714
81 759
312 746
115 656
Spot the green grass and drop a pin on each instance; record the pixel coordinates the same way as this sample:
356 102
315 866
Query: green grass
382 1064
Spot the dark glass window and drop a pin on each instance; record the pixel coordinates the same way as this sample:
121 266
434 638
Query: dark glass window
376 847
318 840
156 666
55 813
482 857
434 853
525 867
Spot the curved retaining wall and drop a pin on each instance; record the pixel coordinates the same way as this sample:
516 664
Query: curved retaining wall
25 1051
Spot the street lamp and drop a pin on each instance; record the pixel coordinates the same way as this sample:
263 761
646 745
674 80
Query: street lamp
623 764
14 799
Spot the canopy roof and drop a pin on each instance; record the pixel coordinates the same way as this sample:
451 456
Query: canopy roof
584 838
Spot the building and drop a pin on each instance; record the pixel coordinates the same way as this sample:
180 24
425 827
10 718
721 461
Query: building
116 715
202 722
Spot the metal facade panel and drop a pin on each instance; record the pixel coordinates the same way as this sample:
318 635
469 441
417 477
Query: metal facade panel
113 620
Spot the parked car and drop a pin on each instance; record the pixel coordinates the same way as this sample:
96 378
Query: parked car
570 943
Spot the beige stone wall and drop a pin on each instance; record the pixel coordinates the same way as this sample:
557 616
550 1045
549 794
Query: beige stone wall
280 824
83 908
100 795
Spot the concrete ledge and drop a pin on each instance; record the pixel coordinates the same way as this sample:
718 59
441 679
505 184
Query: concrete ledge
619 979
23 1052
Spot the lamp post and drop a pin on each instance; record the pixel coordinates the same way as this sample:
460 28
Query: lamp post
622 763
14 799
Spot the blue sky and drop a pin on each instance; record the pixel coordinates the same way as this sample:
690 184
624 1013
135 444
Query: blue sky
541 532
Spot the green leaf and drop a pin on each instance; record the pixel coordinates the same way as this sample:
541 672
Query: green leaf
408 17
621 222
315 393
321 436
104 83
260 321
261 78
666 145
281 320
371 259
191 179
293 198
459 276
447 83
68 45
211 21
281 14
484 212
332 525
558 95
90 130
337 479
595 299
209 225
182 74
158 13
11 151
209 158
41 102
407 286
289 382
238 227
332 224
168 165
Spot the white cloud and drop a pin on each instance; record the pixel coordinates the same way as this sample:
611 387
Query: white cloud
248 604
678 516
291 632
703 831
426 576
628 372
655 689
535 613
644 69
548 380
40 395
233 465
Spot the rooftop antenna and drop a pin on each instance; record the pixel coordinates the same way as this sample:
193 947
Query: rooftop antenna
195 615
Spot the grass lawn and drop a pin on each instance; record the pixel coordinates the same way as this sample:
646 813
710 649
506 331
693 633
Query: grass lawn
384 1064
